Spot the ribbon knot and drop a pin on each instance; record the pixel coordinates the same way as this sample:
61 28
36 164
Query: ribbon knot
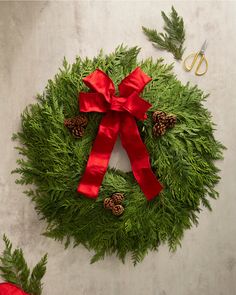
121 112
117 103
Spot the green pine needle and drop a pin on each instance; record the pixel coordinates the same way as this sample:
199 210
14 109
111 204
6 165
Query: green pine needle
14 269
35 284
183 159
173 38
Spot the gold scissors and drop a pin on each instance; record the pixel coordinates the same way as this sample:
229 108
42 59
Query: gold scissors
188 67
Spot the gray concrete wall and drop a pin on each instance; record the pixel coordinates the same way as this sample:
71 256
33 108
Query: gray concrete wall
34 37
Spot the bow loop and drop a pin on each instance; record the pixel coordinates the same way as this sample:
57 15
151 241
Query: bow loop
92 102
99 82
136 106
104 90
134 82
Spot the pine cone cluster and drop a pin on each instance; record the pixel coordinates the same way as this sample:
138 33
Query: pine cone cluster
77 125
114 203
162 122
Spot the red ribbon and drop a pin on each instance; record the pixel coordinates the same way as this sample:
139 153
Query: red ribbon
121 112
10 289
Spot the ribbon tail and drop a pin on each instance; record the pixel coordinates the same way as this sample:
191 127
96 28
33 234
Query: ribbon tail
139 157
99 157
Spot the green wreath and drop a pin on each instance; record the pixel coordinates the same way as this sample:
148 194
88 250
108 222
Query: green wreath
53 161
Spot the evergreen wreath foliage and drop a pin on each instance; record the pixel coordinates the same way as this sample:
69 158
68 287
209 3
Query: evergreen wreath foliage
14 269
183 160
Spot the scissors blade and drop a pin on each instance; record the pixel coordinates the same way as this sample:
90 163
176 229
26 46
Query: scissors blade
203 48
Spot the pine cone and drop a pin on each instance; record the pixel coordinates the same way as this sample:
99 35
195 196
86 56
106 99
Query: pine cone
117 210
108 203
77 125
69 123
159 117
117 198
159 129
77 132
170 121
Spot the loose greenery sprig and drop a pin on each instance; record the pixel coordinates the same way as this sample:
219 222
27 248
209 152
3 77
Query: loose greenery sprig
183 159
173 38
14 269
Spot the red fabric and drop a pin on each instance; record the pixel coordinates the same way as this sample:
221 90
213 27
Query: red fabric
10 289
121 112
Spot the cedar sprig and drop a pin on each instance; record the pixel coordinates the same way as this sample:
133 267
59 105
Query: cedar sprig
14 269
173 38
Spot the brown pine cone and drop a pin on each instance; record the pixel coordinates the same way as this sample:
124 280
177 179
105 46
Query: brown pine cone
159 117
117 198
170 121
117 210
159 129
77 125
69 123
108 203
77 132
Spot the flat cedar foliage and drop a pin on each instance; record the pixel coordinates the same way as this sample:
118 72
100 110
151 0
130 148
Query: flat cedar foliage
173 37
14 269
183 160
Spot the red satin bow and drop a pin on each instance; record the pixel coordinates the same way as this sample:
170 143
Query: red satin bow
10 289
121 112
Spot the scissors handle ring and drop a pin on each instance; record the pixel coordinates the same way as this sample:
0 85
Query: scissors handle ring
189 68
199 65
195 56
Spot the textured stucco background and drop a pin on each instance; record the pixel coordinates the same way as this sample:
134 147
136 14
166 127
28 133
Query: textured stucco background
34 38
